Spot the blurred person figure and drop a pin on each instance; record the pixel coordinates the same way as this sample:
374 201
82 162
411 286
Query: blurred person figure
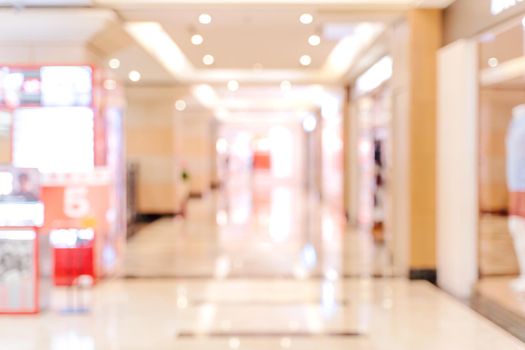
25 192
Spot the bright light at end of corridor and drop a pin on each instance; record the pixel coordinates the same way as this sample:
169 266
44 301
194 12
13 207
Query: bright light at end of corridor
221 218
286 85
309 123
221 146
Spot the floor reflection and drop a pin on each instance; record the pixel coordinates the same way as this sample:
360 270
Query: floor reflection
256 267
256 229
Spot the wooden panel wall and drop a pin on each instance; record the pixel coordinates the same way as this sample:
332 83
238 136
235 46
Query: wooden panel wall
425 38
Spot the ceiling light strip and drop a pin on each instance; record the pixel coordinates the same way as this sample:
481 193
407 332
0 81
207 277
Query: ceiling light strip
154 39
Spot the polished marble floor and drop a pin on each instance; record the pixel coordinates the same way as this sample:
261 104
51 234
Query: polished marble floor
257 268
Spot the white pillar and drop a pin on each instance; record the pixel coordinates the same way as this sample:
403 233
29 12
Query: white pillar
457 163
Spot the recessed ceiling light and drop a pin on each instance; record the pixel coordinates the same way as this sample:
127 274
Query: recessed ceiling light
208 60
180 105
286 85
114 63
306 18
314 40
493 62
205 18
233 85
134 76
305 60
197 39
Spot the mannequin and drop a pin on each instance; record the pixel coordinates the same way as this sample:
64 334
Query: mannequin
516 186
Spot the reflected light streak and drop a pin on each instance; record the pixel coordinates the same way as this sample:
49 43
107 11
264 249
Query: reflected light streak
206 317
309 256
281 214
72 340
328 298
222 267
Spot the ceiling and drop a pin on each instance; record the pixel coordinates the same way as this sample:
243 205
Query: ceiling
241 38
261 34
256 42
251 44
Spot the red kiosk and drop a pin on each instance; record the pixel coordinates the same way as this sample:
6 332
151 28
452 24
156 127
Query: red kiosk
21 215
67 123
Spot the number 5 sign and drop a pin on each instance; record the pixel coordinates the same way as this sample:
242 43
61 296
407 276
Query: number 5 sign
70 201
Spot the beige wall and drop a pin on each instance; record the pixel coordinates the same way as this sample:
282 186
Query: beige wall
399 174
149 144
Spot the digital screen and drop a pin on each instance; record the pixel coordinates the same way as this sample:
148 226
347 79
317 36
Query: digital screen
66 86
54 139
20 87
17 270
71 238
50 86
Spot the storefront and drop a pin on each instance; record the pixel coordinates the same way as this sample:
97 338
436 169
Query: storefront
481 155
66 122
372 110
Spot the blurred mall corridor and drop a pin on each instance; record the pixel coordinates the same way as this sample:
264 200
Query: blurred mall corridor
262 174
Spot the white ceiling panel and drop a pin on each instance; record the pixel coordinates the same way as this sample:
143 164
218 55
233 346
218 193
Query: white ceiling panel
57 26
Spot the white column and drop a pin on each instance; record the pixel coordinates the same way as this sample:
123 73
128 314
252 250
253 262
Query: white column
457 175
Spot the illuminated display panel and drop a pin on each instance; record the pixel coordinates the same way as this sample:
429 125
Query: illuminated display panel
49 86
21 214
54 139
66 86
